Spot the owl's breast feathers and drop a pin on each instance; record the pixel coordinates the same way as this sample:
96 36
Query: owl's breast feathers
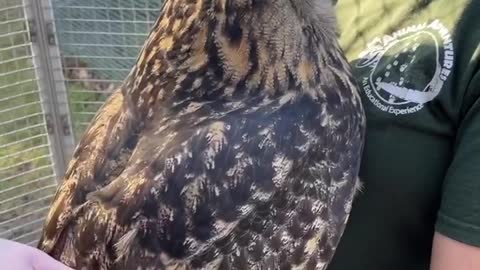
229 146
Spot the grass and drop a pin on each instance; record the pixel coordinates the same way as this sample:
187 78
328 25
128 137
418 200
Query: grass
83 105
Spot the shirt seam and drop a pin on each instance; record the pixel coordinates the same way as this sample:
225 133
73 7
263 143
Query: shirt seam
458 230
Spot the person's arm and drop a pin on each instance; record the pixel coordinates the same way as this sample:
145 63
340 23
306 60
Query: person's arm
456 243
17 256
449 254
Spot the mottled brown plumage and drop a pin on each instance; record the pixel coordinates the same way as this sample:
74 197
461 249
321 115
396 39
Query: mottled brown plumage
234 143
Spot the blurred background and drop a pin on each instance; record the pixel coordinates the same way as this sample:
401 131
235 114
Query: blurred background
59 60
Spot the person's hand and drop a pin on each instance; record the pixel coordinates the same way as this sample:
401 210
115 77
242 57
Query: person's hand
16 256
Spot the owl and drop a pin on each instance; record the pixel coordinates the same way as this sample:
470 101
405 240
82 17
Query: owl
233 143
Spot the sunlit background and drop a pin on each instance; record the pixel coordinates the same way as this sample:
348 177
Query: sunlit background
59 59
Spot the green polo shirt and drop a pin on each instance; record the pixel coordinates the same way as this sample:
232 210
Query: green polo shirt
417 64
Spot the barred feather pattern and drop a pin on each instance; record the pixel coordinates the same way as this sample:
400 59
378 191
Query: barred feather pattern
234 143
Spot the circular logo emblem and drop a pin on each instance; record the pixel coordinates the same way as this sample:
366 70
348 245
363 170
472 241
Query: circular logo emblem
408 68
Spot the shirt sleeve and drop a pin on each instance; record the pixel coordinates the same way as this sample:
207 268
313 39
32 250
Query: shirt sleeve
459 214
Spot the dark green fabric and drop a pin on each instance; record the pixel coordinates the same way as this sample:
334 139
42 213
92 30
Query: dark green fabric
421 165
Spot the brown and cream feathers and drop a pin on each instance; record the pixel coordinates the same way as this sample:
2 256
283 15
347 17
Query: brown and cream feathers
234 143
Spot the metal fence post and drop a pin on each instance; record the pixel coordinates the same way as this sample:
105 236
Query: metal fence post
47 60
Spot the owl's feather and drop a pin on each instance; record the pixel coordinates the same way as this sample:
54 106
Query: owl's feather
234 143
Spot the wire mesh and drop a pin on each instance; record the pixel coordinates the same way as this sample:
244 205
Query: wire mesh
99 41
27 178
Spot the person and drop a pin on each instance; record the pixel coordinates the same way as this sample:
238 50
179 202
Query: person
417 64
17 256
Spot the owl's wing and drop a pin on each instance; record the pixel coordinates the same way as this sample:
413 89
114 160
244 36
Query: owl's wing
189 184
109 131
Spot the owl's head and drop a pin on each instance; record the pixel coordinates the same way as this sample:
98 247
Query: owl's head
265 14
320 13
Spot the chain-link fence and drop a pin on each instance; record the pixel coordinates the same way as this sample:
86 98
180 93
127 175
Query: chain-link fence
59 59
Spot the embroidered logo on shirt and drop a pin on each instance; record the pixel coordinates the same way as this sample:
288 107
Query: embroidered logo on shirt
408 68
